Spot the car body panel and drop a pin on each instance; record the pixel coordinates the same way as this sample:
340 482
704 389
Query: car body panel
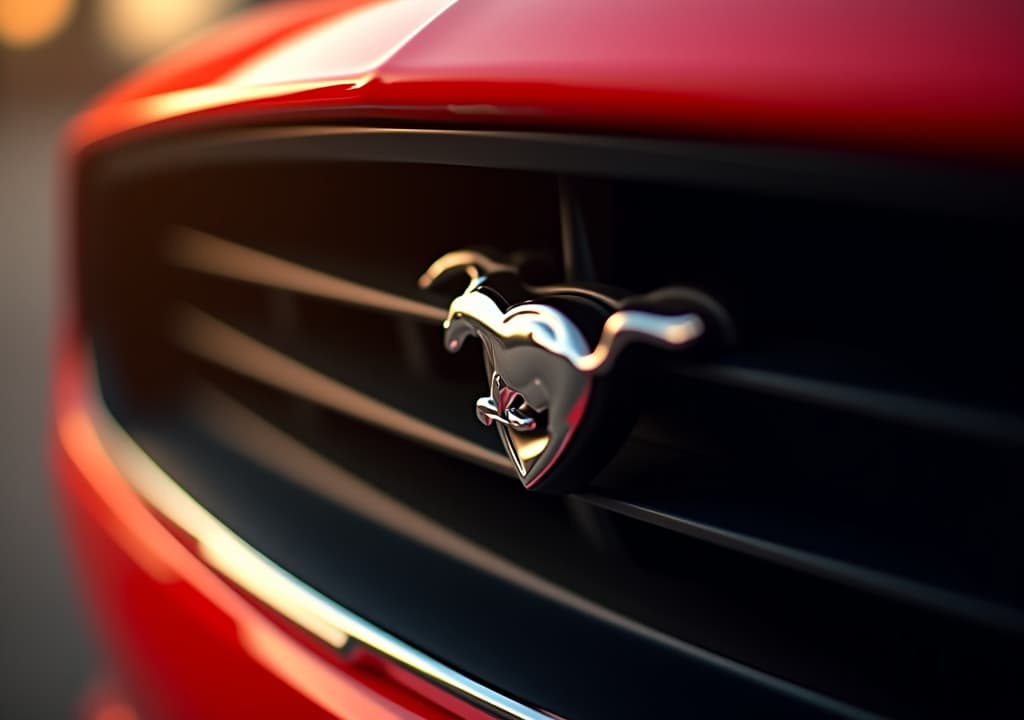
913 76
186 642
935 78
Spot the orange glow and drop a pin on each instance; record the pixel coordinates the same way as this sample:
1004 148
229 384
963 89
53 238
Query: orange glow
137 28
115 711
338 694
27 23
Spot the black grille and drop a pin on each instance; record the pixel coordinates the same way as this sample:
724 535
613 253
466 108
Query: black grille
835 501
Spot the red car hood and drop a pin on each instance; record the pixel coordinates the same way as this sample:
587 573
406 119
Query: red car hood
903 74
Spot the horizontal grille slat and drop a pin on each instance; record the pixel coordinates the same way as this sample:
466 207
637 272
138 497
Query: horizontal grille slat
831 501
218 343
825 566
1002 428
205 253
228 348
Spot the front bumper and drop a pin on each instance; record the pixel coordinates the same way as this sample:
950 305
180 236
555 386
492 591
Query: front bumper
198 624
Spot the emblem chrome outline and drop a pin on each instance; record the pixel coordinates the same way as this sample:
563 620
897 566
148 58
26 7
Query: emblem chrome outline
541 367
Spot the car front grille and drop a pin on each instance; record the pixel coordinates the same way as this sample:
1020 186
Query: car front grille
825 516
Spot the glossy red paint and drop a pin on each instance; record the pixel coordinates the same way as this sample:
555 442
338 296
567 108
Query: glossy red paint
892 74
892 71
185 642
905 75
206 59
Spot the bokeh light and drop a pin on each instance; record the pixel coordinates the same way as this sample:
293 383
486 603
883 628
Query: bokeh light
134 29
28 23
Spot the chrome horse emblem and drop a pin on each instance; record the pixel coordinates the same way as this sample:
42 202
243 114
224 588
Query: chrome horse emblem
548 352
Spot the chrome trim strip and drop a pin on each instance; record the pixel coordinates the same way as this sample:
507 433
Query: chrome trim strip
246 433
204 253
230 555
207 337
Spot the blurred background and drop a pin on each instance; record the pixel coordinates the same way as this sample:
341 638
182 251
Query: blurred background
54 55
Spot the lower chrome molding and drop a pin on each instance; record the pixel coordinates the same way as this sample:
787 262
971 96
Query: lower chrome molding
227 554
236 560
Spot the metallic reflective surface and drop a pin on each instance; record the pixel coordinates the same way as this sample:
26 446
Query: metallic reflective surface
205 253
91 436
122 502
209 338
506 411
917 77
254 437
539 362
741 69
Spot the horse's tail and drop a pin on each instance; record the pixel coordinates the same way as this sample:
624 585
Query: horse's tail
625 327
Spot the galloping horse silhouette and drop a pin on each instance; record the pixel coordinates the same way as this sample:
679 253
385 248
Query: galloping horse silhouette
538 359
